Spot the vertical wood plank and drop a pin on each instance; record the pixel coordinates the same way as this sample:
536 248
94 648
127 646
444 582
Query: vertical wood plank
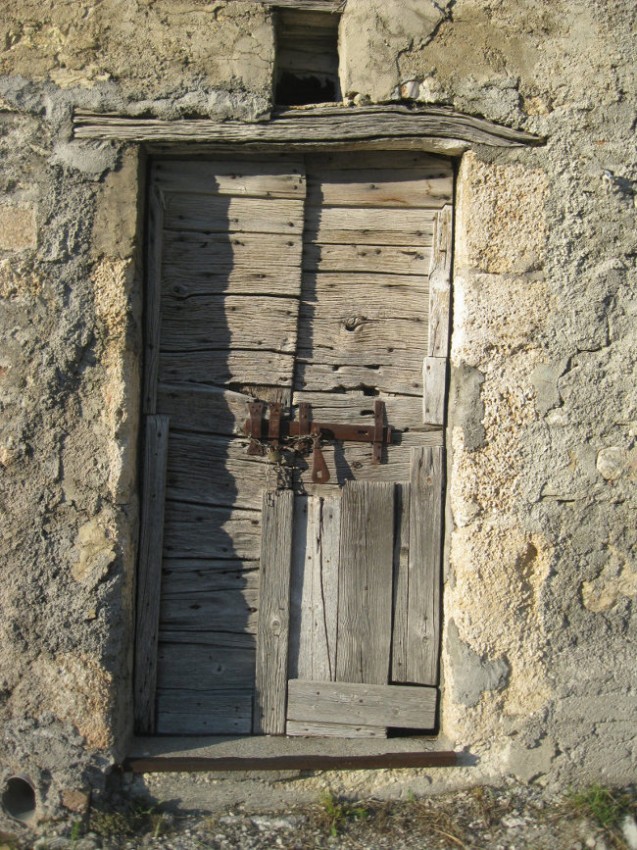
434 388
149 572
440 284
274 613
425 557
153 298
314 587
365 582
400 646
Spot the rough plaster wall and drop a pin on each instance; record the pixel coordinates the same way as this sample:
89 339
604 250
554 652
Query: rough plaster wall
539 603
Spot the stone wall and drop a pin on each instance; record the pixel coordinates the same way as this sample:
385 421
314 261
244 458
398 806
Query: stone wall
541 577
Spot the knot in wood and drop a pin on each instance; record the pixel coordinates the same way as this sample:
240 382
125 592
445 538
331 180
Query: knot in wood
353 322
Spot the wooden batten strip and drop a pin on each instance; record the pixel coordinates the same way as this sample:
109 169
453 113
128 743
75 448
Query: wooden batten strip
425 560
397 706
274 613
149 572
153 301
435 365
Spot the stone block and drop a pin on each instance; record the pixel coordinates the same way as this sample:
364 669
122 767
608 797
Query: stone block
18 228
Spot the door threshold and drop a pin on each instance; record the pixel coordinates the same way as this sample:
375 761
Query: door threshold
191 754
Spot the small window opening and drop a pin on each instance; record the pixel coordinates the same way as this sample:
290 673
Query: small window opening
306 57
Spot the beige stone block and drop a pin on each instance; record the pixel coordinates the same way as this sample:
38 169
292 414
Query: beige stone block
115 227
501 219
18 229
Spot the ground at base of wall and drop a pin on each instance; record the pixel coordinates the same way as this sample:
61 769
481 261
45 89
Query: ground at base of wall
519 818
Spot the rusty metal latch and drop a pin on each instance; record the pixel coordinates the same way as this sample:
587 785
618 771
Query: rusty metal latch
275 431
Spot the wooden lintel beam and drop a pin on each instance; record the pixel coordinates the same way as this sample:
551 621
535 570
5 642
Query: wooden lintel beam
315 125
191 764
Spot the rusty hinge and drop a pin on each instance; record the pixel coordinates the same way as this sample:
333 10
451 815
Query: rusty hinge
274 430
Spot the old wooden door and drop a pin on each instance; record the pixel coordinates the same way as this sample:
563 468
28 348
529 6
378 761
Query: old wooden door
268 603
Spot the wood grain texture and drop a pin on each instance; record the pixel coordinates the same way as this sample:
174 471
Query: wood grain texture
229 214
365 583
440 284
310 729
212 410
396 706
260 178
152 307
377 259
194 603
274 613
425 557
339 225
196 667
322 124
230 264
381 188
402 163
205 531
403 412
222 368
223 322
149 570
400 645
312 375
213 713
434 380
314 592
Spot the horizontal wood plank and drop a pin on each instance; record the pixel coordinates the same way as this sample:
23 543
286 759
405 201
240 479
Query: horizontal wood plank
222 322
230 610
426 165
338 225
214 713
193 667
375 259
402 412
228 214
333 730
214 470
396 706
329 376
189 576
380 188
222 368
262 178
211 532
199 408
221 640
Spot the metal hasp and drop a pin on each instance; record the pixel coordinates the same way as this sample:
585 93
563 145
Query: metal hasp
274 429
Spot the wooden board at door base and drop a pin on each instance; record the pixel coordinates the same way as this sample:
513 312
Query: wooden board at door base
270 603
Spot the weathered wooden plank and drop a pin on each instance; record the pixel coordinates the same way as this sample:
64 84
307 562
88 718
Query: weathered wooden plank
440 284
314 590
380 188
333 730
234 640
214 470
355 408
149 570
338 225
262 178
227 367
347 461
315 376
274 613
210 532
327 124
222 322
401 584
228 214
215 713
426 165
152 320
425 555
189 576
434 380
195 667
378 259
365 584
397 706
210 601
225 264
199 408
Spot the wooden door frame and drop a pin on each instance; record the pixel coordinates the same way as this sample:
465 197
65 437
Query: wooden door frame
435 130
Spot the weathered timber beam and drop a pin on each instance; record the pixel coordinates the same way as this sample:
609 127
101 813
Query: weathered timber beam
317 125
190 764
308 5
